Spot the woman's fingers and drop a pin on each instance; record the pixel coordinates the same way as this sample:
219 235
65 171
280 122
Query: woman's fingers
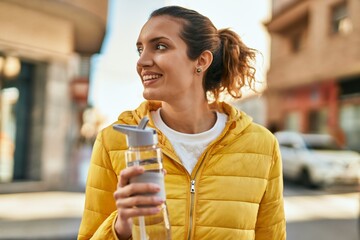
126 213
136 199
138 206
128 173
136 189
139 202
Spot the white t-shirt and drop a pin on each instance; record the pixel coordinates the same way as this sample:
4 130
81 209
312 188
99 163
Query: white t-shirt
189 147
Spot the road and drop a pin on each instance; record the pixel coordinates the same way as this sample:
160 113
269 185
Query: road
40 215
329 214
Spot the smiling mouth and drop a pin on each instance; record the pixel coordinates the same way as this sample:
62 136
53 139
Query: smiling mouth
151 77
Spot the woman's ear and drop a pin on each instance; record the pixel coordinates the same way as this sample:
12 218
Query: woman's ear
204 61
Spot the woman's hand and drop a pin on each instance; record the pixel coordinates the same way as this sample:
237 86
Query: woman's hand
129 198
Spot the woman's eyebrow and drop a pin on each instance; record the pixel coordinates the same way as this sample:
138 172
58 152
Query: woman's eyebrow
155 39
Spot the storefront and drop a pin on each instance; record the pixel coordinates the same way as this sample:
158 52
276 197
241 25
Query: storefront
330 107
52 43
350 111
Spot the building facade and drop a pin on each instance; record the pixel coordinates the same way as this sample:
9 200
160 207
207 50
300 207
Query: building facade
314 75
52 42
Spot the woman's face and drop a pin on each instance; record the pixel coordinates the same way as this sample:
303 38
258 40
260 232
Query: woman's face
166 71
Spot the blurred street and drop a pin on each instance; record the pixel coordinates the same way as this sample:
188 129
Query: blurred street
40 215
67 69
329 214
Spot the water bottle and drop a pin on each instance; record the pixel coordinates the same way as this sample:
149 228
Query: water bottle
143 151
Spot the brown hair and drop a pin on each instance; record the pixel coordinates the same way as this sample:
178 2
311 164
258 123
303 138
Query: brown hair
232 65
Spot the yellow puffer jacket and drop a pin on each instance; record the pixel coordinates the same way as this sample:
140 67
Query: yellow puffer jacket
237 183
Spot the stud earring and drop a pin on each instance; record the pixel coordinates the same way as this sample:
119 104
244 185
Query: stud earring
198 70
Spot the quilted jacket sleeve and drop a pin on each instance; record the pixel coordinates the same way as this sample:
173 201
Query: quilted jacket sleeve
100 210
271 218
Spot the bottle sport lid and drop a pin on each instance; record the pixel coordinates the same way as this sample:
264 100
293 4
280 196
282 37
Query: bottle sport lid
140 135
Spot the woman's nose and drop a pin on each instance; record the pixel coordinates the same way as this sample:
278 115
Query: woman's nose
145 59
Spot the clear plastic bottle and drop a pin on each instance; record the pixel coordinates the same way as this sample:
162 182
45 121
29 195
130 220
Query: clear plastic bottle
143 151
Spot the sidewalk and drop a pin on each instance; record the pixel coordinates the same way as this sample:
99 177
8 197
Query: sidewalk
40 215
56 215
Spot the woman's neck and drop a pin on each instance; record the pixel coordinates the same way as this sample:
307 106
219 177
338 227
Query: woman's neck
188 117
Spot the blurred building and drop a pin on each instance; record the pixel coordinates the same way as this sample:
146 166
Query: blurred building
45 51
254 105
314 75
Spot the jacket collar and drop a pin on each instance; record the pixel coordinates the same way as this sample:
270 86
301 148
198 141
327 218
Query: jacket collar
237 119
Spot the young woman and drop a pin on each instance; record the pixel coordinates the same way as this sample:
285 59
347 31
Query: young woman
232 164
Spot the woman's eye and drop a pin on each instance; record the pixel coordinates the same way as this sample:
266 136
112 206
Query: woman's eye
139 50
160 46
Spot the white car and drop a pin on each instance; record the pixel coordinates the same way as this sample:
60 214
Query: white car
316 160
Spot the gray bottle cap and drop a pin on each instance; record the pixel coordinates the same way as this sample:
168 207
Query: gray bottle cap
140 135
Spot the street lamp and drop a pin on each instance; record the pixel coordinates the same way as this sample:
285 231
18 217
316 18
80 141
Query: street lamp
9 66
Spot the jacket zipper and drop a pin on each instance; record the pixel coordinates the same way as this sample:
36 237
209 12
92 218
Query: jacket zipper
192 188
192 181
192 192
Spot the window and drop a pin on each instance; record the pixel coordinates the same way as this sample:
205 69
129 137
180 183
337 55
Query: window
317 120
298 40
297 33
287 145
350 124
341 23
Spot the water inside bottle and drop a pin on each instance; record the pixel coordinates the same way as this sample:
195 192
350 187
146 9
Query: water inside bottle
157 226
152 174
153 164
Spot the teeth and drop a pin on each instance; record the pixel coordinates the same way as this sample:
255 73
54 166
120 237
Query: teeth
150 77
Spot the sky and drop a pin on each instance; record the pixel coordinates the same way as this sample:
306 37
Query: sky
114 83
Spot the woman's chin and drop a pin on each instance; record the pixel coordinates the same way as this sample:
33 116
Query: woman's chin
149 96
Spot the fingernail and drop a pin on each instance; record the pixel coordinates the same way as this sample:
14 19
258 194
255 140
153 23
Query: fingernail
140 169
156 187
155 210
159 199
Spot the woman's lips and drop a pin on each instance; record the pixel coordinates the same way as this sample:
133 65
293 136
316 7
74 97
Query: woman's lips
151 78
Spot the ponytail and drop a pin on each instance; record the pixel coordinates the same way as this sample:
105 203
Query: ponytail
233 65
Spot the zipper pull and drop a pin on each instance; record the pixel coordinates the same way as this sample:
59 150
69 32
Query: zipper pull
192 189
